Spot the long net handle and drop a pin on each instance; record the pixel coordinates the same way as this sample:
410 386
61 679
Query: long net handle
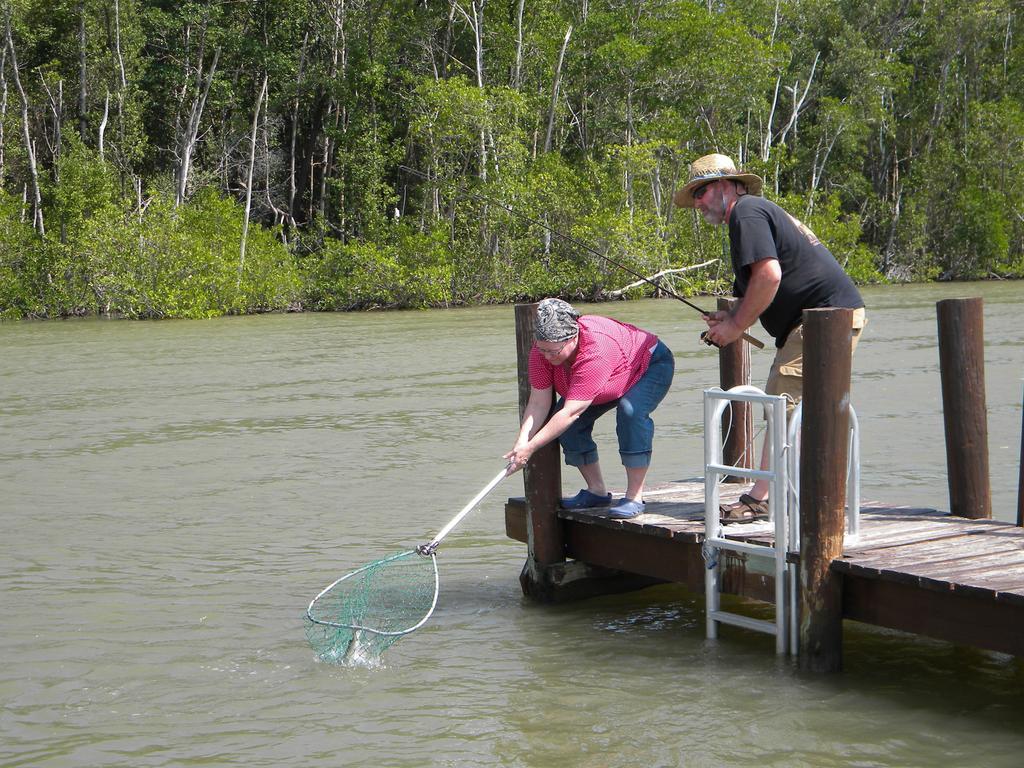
427 549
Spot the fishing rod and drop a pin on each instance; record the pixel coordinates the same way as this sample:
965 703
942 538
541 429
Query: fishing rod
589 249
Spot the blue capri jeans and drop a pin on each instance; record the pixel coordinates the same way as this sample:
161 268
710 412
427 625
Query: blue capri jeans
633 423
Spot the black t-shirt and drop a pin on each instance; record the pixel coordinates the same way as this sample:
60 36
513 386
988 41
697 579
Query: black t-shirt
811 276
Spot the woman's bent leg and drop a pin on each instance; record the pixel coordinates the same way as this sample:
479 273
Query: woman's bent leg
634 425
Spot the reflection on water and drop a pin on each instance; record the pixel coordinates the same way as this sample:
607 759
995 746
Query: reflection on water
173 494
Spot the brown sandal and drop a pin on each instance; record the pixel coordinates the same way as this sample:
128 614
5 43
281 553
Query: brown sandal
746 510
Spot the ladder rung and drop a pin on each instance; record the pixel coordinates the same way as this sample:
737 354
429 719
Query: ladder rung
754 474
768 627
741 546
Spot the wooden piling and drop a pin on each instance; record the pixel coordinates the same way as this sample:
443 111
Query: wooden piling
542 476
823 458
737 433
962 369
1020 476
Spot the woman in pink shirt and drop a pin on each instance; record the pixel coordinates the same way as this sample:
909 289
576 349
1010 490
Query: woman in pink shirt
595 364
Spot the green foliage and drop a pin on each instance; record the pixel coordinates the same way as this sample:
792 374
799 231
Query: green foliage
23 276
185 262
895 128
840 232
980 234
410 270
456 122
973 197
87 189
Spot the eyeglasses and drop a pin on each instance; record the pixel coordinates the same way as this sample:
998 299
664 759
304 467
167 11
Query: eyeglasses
699 192
553 352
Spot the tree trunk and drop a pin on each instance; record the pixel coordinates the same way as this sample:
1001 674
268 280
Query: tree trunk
341 117
57 108
476 25
338 44
627 173
189 136
446 45
103 123
818 169
554 90
517 73
766 138
280 216
117 44
3 114
83 123
37 213
123 86
292 181
248 180
478 33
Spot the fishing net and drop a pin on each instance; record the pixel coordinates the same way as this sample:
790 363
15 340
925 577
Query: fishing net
358 617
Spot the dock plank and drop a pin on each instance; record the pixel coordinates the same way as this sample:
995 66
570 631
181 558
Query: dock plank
962 571
965 546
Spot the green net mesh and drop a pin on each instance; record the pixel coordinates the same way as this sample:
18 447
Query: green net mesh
363 613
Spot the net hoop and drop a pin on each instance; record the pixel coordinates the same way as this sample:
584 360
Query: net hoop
377 564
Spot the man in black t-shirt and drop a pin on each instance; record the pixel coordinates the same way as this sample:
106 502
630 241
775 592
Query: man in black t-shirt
781 269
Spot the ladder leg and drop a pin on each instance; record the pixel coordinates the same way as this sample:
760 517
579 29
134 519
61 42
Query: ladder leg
712 599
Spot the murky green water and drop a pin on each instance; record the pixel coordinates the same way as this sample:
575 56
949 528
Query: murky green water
173 494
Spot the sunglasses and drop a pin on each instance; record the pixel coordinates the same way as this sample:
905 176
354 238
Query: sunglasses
699 192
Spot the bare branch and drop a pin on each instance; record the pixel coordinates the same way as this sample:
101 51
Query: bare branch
657 276
798 106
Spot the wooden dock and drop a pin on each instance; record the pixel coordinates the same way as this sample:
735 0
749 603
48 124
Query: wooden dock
957 577
912 569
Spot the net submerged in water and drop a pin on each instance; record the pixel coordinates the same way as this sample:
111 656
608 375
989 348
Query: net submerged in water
358 617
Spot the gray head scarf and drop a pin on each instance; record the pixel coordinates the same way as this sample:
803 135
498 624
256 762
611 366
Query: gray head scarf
556 321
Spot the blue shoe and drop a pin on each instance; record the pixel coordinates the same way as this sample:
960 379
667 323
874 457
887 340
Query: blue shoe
586 500
626 509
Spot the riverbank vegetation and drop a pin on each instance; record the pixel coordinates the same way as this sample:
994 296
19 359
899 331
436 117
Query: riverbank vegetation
185 159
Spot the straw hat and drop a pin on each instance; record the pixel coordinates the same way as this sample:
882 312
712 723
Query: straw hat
712 168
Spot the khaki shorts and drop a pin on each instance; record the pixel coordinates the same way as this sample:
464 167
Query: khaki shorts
787 374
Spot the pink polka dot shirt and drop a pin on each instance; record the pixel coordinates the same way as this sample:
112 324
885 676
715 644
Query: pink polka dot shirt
611 358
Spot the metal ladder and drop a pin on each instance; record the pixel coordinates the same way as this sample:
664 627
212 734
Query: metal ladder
716 538
783 476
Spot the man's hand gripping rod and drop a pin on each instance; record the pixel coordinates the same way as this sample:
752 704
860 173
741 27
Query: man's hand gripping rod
589 249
